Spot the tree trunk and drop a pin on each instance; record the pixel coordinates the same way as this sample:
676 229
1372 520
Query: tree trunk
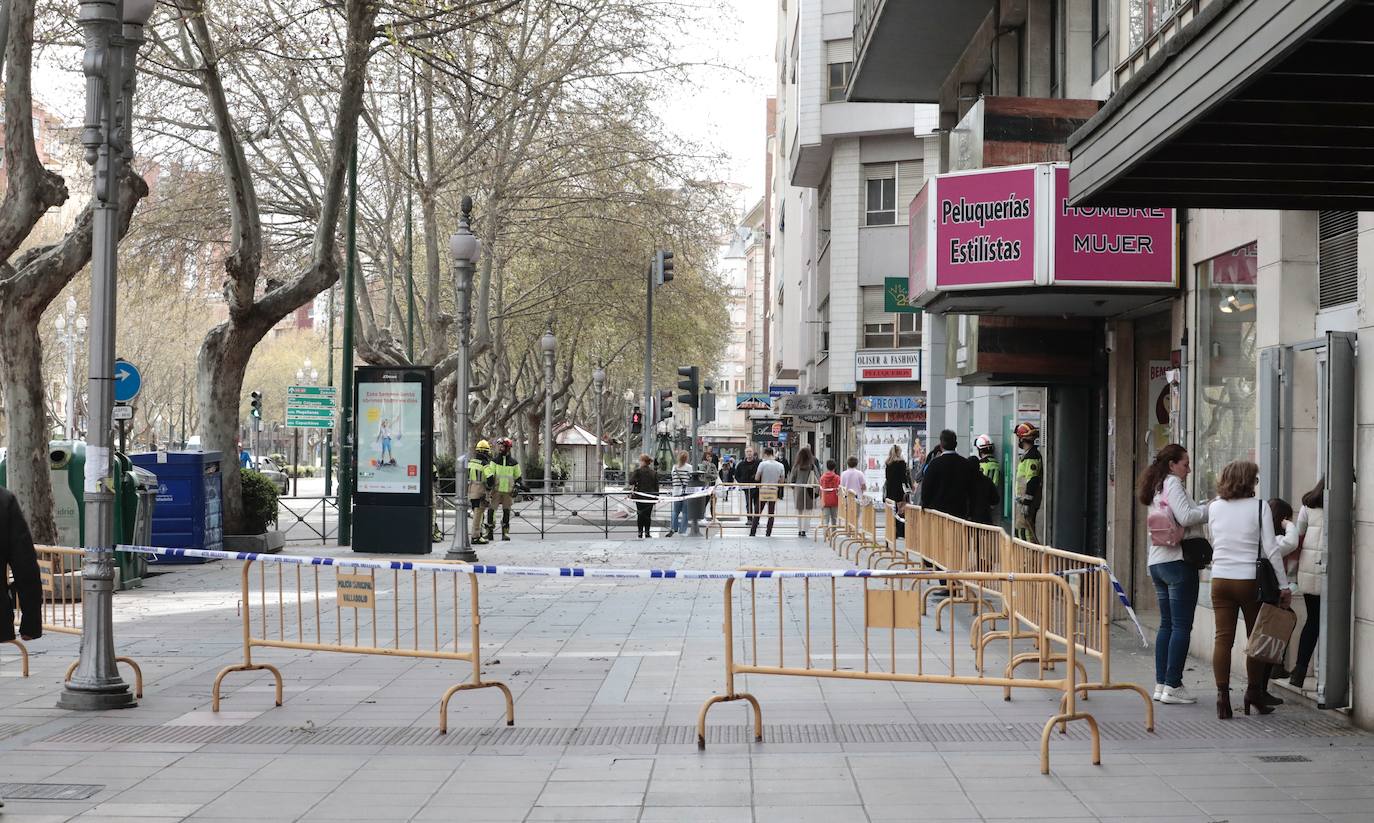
222 362
21 376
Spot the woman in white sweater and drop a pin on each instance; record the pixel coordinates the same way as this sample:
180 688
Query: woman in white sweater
1176 582
1311 574
1242 528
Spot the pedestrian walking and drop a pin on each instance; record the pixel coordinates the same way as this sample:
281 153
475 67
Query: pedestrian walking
770 474
1172 513
852 479
804 477
746 475
26 589
1242 530
898 482
1289 538
707 476
643 482
948 485
830 495
1311 576
682 481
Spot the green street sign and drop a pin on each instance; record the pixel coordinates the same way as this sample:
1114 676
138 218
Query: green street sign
306 401
895 297
309 423
329 391
316 411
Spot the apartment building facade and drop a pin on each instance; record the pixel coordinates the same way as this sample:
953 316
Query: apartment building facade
1214 113
846 346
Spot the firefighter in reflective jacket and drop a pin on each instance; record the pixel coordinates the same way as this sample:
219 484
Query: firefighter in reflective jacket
992 470
1030 481
508 480
481 480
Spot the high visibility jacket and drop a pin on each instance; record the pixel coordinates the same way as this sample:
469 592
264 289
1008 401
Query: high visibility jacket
992 470
481 470
506 471
1030 478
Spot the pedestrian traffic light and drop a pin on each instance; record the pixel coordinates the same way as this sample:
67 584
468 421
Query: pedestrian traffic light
663 267
707 407
257 405
636 421
689 385
665 404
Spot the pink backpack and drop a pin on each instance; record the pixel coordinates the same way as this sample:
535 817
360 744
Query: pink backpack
1164 529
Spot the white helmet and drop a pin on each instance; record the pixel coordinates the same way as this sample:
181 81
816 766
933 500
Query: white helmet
982 443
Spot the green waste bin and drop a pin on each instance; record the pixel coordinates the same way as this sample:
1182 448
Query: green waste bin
67 470
135 494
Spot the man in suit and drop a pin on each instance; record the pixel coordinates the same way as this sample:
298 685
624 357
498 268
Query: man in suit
16 552
948 485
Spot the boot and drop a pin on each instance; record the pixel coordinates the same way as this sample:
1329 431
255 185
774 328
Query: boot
505 533
1223 703
1262 690
1254 697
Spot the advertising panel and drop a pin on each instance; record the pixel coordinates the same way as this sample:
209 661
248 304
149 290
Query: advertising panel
876 445
753 401
985 228
887 364
389 428
920 258
1111 246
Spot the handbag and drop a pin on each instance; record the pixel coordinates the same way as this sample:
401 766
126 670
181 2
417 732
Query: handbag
1273 629
1197 552
1266 579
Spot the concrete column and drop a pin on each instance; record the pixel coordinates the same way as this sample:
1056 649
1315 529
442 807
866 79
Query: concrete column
933 374
1362 639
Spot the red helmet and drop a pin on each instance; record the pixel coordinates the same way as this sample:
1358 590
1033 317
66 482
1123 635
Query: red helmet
505 443
1026 431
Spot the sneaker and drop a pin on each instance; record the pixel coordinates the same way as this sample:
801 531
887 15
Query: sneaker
1176 695
1159 692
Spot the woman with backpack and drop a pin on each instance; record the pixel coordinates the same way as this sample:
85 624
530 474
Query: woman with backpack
1171 511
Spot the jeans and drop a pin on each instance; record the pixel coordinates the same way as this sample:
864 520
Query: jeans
679 513
644 515
1230 600
1311 630
830 515
754 524
1176 586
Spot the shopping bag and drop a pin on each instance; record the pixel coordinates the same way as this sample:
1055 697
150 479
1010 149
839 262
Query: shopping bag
768 494
1274 627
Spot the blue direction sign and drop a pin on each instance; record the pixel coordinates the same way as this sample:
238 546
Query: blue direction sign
127 381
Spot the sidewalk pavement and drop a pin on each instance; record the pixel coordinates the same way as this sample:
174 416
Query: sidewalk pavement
608 677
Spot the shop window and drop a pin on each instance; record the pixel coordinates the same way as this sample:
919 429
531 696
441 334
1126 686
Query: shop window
1226 408
1337 273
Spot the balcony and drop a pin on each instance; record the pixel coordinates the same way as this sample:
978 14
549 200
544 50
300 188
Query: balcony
904 49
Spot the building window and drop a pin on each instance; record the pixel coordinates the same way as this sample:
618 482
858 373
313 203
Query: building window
823 316
880 194
1145 17
1102 50
1337 273
1225 364
839 60
823 218
888 330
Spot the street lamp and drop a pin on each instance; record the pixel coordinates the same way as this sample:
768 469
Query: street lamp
548 344
114 32
466 250
71 327
306 375
598 384
629 425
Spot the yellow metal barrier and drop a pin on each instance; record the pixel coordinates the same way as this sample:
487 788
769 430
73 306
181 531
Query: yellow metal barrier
887 604
373 611
60 570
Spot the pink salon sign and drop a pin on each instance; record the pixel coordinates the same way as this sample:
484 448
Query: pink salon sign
1013 227
1115 246
985 229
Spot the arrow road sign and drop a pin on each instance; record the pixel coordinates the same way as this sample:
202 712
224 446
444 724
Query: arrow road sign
329 391
127 381
311 407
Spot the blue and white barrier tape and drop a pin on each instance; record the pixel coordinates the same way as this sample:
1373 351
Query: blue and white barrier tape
1120 595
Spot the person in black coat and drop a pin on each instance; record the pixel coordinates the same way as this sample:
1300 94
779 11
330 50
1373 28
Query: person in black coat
897 483
643 481
16 552
983 492
747 472
948 485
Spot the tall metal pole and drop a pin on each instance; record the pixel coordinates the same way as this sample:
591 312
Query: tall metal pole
465 249
549 344
329 433
410 242
346 401
650 414
598 385
114 31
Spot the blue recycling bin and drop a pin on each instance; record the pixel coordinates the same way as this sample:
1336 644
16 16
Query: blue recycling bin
189 512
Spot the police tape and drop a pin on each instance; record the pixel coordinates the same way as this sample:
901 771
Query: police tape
1120 595
646 497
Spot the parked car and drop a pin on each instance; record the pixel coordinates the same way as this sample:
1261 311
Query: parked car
268 468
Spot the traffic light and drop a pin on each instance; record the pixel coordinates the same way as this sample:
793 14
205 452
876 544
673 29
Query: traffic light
707 407
690 385
665 404
256 412
636 421
663 267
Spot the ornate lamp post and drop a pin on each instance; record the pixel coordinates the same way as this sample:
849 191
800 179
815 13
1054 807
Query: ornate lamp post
466 250
71 327
114 31
548 344
598 385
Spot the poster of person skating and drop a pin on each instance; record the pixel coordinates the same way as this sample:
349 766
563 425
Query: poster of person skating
389 427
